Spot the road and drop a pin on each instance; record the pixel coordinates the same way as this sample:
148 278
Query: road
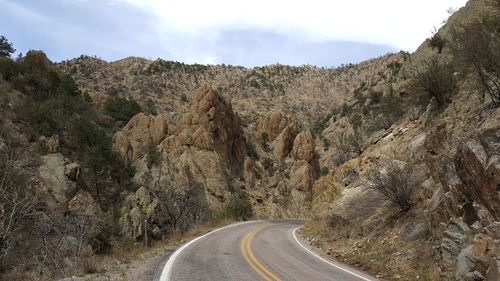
256 250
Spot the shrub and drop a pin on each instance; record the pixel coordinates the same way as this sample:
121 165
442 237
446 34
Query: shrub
324 171
40 119
251 150
239 208
268 165
395 181
121 109
435 80
153 156
100 244
150 107
437 42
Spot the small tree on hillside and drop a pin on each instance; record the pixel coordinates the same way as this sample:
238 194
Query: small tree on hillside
6 48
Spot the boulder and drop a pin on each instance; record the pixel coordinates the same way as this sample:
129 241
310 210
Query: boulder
72 171
50 145
417 229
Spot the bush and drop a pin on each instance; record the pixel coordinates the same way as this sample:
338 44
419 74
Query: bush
437 42
153 156
268 165
251 150
100 244
239 208
324 171
436 81
395 181
150 107
121 109
40 119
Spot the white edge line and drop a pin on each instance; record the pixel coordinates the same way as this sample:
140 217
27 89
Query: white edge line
167 270
327 261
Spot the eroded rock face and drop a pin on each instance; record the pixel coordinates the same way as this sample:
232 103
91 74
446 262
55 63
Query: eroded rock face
306 168
480 175
274 123
303 146
141 132
283 144
207 148
210 124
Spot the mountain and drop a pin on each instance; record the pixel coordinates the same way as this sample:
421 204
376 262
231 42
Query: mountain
393 162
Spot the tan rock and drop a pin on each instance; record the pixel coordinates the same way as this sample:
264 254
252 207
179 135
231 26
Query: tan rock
274 123
303 147
139 134
283 144
72 171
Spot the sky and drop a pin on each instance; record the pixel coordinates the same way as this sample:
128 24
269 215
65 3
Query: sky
249 33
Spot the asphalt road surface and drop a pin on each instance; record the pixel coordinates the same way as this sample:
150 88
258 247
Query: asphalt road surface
256 250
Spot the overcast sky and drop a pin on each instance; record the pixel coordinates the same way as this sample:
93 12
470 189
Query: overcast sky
249 33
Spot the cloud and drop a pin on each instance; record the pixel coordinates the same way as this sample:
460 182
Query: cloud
250 33
403 24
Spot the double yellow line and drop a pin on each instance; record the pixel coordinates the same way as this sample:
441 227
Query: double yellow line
246 250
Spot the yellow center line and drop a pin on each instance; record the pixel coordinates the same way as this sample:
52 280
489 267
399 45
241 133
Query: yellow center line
246 250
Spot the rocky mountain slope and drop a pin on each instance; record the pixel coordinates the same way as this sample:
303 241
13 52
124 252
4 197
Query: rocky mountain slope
116 149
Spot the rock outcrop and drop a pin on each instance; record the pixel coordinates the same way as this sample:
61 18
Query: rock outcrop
54 179
140 133
206 148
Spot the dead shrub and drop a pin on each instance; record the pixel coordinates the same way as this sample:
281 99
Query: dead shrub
396 181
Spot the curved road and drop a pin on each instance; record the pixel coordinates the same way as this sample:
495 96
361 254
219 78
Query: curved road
256 250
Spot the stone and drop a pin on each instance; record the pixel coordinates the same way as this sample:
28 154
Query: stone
474 276
415 230
303 147
72 171
51 172
465 263
52 144
493 230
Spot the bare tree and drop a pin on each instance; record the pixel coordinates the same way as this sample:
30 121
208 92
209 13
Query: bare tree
63 235
396 181
179 205
18 201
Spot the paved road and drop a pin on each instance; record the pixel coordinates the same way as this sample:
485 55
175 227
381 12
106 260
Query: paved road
257 250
